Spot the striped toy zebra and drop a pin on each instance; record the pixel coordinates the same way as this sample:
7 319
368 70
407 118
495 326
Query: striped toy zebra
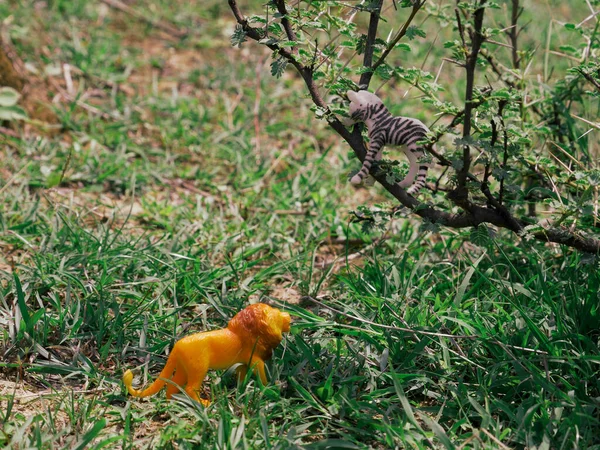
387 129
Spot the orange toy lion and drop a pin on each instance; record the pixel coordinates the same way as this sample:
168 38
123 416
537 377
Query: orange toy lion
249 339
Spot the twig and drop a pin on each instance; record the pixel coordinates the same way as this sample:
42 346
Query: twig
494 438
461 30
589 122
485 188
80 103
590 78
504 159
437 182
68 79
180 33
441 158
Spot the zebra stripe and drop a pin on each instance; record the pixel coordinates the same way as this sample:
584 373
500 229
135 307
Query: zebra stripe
385 129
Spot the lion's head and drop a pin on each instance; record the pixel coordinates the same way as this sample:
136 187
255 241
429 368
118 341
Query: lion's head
261 326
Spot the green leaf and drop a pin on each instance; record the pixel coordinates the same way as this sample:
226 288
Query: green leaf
12 113
460 293
414 31
361 44
91 434
437 430
410 415
53 179
238 36
568 49
21 300
403 46
307 396
8 96
481 235
278 66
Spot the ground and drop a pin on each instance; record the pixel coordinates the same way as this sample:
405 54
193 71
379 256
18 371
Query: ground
174 181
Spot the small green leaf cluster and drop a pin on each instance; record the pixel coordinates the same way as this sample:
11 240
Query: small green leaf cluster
373 219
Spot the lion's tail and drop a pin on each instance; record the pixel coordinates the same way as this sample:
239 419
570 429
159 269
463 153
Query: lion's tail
158 384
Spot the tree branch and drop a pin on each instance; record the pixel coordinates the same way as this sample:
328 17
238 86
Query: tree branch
365 78
590 78
498 216
474 216
513 33
477 39
287 26
417 6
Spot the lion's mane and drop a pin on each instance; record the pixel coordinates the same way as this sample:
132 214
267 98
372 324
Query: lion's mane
255 324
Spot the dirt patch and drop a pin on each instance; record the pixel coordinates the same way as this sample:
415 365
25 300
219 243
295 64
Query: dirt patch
29 404
286 294
36 100
94 207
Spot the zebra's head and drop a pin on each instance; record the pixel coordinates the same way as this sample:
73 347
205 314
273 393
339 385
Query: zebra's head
363 105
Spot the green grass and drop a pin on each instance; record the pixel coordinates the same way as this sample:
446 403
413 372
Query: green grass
171 217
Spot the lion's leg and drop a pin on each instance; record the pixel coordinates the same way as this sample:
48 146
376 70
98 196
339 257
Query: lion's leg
241 371
178 381
194 383
259 365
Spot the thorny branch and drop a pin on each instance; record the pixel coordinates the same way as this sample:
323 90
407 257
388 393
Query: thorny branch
287 26
475 214
417 6
365 78
477 39
513 32
485 189
590 78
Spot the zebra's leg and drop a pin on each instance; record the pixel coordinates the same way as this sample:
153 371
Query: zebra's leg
375 147
370 180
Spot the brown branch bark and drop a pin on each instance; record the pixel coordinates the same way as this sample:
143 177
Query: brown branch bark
365 78
287 26
590 78
513 33
477 39
474 216
417 6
